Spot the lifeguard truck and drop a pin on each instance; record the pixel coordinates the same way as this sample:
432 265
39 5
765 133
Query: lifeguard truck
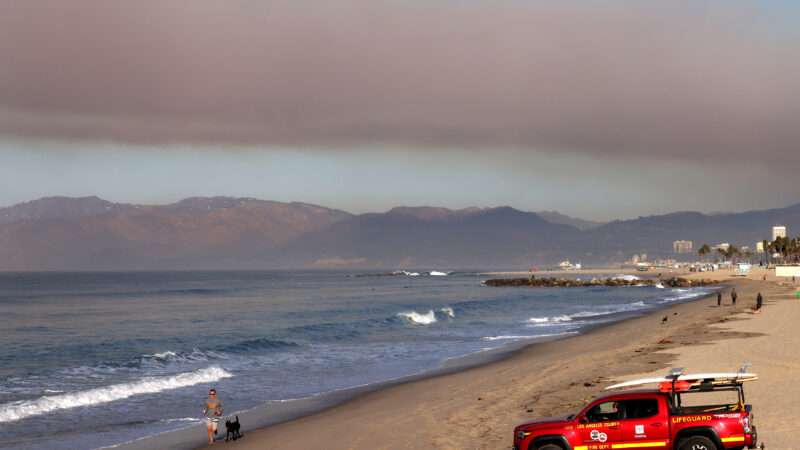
705 411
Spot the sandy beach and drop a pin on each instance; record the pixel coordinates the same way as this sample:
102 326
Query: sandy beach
477 408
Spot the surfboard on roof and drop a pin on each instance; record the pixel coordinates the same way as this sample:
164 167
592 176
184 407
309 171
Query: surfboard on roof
713 378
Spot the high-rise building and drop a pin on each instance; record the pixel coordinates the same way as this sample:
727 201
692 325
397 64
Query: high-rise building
760 247
778 231
682 246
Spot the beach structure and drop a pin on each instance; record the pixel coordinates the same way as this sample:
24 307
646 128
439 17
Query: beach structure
682 246
787 271
760 247
778 231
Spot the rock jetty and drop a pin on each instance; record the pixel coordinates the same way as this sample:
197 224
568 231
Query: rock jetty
674 282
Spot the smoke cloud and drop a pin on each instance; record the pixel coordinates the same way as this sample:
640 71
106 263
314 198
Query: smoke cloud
602 78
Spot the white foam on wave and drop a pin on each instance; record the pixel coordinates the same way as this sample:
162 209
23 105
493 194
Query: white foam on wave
196 355
14 411
448 311
436 273
516 338
604 312
684 294
421 319
163 355
557 319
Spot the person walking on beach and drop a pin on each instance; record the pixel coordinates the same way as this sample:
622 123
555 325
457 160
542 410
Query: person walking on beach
759 301
719 298
734 295
212 410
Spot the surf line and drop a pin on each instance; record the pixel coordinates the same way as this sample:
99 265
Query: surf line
14 411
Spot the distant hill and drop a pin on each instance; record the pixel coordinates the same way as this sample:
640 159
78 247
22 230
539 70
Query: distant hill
557 217
62 233
493 237
88 233
655 234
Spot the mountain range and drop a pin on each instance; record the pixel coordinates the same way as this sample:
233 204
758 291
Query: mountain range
89 233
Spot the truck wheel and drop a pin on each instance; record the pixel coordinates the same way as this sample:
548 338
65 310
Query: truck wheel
549 447
697 443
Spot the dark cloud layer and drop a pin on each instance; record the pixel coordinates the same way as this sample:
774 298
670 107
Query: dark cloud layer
601 77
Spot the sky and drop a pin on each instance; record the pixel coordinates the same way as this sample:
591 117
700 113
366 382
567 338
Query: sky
600 109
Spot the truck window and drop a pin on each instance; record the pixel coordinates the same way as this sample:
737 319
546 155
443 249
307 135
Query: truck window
719 401
604 412
641 408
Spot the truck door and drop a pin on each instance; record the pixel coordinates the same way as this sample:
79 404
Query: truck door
644 421
600 428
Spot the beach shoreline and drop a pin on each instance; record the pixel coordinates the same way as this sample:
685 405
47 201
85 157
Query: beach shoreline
567 387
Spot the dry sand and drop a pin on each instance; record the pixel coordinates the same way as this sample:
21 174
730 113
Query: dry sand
478 408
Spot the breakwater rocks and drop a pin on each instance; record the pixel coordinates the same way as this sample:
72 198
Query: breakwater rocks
674 282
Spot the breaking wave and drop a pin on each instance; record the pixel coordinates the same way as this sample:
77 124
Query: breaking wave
543 320
417 318
429 317
14 411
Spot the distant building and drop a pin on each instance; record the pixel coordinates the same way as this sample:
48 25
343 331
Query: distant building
682 246
723 246
636 259
760 247
778 231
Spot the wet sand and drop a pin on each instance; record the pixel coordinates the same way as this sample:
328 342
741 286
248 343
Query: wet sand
477 408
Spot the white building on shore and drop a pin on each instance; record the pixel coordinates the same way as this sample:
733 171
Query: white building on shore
723 246
682 246
778 231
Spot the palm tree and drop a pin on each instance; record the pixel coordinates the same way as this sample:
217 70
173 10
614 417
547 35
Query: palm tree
722 253
732 253
703 251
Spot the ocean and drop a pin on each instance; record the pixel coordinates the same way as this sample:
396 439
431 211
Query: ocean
91 360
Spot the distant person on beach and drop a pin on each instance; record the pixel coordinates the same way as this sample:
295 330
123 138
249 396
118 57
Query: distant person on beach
719 298
734 295
759 301
212 411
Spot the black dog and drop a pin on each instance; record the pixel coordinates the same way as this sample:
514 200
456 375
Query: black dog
234 429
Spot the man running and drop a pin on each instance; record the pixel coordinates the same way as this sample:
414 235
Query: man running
212 411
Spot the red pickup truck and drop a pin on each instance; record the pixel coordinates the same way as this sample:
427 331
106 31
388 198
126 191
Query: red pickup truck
685 412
